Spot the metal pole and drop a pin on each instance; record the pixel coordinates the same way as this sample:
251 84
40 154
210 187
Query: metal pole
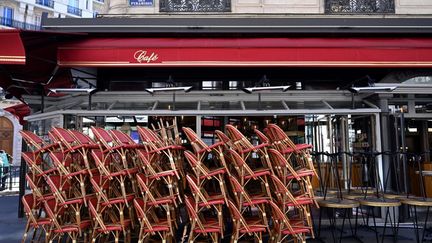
42 102
174 100
404 158
89 102
259 101
22 181
344 148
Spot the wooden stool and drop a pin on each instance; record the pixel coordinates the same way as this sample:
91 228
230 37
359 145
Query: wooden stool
413 203
375 202
333 204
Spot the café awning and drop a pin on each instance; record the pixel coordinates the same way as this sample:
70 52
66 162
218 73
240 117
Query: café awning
212 52
12 48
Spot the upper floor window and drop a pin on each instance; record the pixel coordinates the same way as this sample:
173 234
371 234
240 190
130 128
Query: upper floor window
359 6
195 6
7 16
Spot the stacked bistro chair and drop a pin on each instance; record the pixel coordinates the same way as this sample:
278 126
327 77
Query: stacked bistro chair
109 188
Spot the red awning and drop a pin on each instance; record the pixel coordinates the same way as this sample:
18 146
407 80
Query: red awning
11 49
39 63
313 52
20 111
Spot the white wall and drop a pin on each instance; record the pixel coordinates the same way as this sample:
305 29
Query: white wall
413 6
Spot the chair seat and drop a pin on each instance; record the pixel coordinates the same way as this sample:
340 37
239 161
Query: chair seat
212 202
296 230
80 172
161 200
124 172
73 227
259 146
80 146
46 172
116 200
301 173
162 225
300 201
42 221
115 227
209 148
163 174
72 201
255 201
254 228
208 229
297 148
214 172
258 173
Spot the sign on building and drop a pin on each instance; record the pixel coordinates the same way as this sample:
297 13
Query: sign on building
140 3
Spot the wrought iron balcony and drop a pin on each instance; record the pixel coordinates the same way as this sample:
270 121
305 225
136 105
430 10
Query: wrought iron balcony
359 6
195 6
18 24
74 10
47 3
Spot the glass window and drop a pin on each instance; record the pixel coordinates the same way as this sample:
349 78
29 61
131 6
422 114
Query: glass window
74 3
211 85
7 16
419 80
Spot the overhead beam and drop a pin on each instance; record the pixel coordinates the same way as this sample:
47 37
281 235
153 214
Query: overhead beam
203 112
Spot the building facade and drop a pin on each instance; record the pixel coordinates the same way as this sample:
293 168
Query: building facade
27 14
398 7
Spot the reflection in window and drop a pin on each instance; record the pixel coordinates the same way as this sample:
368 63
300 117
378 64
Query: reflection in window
211 85
419 80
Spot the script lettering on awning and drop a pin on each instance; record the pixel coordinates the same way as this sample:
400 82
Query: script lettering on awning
145 56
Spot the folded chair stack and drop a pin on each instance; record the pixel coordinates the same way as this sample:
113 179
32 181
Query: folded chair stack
109 188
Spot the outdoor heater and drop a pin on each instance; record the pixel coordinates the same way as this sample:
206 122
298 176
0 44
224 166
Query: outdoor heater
264 85
371 89
89 91
170 88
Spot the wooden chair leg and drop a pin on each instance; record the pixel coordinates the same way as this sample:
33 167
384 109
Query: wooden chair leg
27 228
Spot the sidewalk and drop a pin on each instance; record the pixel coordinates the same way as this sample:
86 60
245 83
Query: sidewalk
11 227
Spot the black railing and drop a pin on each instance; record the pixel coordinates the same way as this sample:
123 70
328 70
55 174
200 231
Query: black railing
18 24
359 6
9 178
47 3
74 10
195 6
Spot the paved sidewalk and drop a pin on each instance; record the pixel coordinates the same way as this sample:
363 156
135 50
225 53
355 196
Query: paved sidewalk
11 227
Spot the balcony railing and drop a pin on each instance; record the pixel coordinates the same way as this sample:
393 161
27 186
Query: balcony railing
74 10
195 6
47 3
18 24
359 6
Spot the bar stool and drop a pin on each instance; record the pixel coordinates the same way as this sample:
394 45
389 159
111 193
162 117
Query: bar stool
338 203
413 202
379 201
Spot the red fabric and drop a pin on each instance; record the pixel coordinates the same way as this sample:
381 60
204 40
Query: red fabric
20 111
318 52
12 48
258 174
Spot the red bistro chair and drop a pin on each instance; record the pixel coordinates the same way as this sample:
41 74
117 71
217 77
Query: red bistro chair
245 226
31 209
149 227
284 227
201 225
